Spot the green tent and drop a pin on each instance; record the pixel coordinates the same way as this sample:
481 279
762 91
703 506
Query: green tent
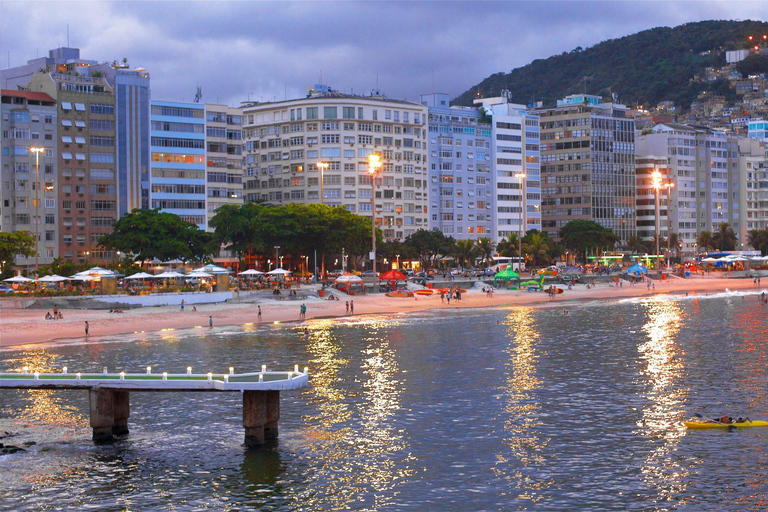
506 275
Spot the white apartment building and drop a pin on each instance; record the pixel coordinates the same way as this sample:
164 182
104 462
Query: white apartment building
285 140
223 156
753 180
704 167
516 204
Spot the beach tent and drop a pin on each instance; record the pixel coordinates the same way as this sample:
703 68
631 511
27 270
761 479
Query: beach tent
279 272
18 279
168 275
198 274
251 272
55 278
140 275
507 274
393 276
349 278
96 271
636 269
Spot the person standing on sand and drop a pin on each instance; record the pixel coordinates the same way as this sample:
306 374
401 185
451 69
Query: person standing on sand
351 307
210 321
259 314
347 306
86 328
303 312
182 304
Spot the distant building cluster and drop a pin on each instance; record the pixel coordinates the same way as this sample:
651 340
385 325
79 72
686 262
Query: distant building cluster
494 170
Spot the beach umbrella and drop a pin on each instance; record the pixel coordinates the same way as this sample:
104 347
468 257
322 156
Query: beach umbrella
213 269
392 275
18 279
251 272
349 278
97 271
507 274
140 275
53 279
710 260
637 269
168 275
278 272
198 274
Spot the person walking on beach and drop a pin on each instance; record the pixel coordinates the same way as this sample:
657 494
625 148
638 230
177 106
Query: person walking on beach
347 306
442 296
351 307
303 312
210 321
86 328
259 314
182 304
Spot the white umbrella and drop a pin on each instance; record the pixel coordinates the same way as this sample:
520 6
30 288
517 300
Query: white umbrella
349 278
97 271
215 269
168 275
196 273
55 278
18 279
140 275
279 271
252 272
709 260
81 277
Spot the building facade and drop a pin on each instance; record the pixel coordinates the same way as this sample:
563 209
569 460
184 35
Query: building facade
460 180
29 198
178 182
588 165
645 167
223 156
132 133
753 182
285 140
703 166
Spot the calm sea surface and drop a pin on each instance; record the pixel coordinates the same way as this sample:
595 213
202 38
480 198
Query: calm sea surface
494 409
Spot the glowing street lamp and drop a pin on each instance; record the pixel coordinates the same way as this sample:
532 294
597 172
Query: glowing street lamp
374 163
523 203
37 151
322 166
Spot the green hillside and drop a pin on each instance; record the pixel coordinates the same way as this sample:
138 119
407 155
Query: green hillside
646 68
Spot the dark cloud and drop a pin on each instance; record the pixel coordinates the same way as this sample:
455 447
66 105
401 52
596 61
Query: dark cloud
273 50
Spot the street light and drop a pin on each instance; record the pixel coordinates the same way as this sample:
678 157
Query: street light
523 202
398 262
657 184
37 151
374 163
669 186
277 253
322 166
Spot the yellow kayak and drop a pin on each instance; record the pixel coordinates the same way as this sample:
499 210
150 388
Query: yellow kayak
715 424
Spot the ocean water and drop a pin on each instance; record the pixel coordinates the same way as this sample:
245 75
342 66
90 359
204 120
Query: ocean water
492 409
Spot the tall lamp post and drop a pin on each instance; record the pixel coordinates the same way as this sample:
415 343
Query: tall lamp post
656 184
669 186
277 254
322 166
37 151
374 163
523 205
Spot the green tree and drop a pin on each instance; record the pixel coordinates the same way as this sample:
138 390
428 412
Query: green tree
637 245
485 249
429 245
11 244
705 240
150 234
580 234
538 247
508 248
465 252
758 238
724 238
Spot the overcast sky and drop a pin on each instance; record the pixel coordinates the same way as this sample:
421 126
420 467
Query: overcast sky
273 50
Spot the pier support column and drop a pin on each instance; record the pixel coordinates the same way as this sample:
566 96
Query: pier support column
102 413
273 414
122 412
254 417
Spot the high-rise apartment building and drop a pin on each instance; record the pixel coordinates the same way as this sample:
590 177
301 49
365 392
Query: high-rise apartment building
132 132
177 183
285 140
703 165
516 175
753 182
646 166
223 156
29 120
588 165
460 180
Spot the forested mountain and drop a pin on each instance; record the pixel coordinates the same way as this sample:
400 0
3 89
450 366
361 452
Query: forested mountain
645 68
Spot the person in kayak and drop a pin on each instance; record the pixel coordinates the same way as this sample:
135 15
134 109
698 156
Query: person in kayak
743 420
726 420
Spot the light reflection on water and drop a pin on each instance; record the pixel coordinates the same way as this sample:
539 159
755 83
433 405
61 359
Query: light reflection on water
505 409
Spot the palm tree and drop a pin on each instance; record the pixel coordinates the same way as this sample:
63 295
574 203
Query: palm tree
485 248
637 245
508 248
465 251
724 238
758 239
537 247
705 240
675 244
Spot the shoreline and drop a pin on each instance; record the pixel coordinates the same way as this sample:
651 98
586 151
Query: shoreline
26 328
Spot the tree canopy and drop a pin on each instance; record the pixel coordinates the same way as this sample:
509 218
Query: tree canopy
151 234
578 235
12 244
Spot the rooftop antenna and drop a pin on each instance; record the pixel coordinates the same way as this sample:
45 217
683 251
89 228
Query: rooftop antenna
321 76
198 94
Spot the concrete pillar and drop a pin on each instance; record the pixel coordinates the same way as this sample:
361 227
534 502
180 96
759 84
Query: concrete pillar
102 413
122 412
273 414
254 417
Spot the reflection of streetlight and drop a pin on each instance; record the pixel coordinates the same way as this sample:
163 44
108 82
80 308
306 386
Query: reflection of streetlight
523 203
374 162
322 166
37 151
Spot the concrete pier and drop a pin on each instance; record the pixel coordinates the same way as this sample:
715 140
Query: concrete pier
122 411
273 414
101 403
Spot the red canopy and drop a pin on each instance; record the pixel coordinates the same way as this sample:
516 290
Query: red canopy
392 275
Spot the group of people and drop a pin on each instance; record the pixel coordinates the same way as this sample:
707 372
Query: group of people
56 314
452 294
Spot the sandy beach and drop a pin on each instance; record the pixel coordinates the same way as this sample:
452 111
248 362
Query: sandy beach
20 328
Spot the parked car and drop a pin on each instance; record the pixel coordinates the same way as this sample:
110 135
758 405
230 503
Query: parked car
5 289
419 276
369 273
